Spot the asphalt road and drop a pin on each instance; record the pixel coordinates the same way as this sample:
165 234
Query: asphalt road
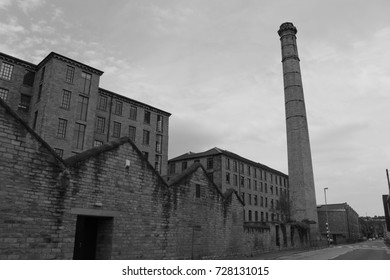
369 250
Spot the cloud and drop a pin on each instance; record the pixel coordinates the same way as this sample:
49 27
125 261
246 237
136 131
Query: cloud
4 4
30 5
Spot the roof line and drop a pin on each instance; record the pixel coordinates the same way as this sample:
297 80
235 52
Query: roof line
128 98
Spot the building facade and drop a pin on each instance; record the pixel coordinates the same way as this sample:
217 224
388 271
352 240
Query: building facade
61 100
343 222
264 190
94 205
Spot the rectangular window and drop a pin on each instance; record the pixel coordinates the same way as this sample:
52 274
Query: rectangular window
43 73
102 105
159 143
61 130
132 133
39 93
4 94
159 125
59 152
133 113
256 216
65 104
243 197
86 82
235 180
116 130
249 183
262 216
118 108
6 71
78 137
183 165
261 201
35 120
172 168
82 108
227 178
249 170
25 101
242 182
234 165
147 117
210 163
255 185
249 199
242 168
100 124
157 163
28 78
146 137
255 200
97 143
227 164
146 155
69 74
197 190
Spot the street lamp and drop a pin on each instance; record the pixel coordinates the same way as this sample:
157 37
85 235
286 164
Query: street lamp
327 220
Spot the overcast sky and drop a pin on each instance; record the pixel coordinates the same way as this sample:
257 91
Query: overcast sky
216 66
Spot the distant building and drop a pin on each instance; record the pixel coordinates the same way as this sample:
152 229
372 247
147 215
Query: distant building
61 100
265 191
343 222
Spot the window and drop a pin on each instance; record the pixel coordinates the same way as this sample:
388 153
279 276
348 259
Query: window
86 82
242 168
6 71
147 117
118 108
242 181
249 183
59 152
61 130
266 202
39 93
183 165
249 170
243 197
172 168
146 137
255 185
78 137
272 189
159 125
227 164
35 120
235 180
277 191
256 216
197 190
158 143
116 130
266 216
43 73
133 113
255 200
250 215
132 133
69 74
227 178
65 104
262 216
82 108
25 101
249 199
210 163
28 78
234 165
146 155
102 105
261 186
97 143
255 172
3 94
157 163
265 188
100 124
261 201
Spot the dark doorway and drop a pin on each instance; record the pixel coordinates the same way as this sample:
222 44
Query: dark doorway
93 238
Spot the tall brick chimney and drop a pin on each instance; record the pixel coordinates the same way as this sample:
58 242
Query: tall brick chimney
300 169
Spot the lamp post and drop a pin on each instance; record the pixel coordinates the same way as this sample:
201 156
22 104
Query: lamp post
327 220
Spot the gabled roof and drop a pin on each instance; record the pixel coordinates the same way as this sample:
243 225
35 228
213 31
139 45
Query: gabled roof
217 151
72 161
193 168
31 131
